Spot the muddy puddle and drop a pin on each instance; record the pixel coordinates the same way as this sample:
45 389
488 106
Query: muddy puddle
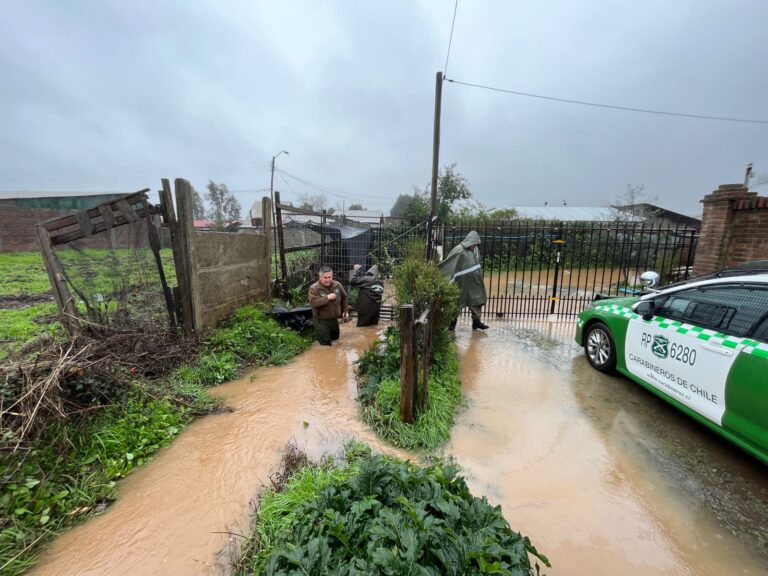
171 517
603 477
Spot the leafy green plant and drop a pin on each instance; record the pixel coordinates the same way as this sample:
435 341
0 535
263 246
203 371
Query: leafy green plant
420 283
379 515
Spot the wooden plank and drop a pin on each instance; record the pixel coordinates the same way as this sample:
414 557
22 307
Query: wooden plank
58 282
407 363
281 246
108 219
120 220
127 211
154 244
185 245
85 223
59 222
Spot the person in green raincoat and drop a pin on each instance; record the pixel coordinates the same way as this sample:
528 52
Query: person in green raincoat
462 265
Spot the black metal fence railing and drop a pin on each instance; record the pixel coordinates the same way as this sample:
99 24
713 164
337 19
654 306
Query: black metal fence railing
540 268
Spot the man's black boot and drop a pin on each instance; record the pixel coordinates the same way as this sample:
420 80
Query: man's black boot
452 325
478 325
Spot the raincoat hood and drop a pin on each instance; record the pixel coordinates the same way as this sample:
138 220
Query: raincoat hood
373 271
472 239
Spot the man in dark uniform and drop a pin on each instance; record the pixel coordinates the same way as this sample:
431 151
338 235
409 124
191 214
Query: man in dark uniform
370 289
328 301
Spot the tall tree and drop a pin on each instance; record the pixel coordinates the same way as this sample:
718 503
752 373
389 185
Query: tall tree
198 206
357 207
315 202
400 204
224 205
452 187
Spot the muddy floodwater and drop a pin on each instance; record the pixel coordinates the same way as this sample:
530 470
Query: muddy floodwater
603 477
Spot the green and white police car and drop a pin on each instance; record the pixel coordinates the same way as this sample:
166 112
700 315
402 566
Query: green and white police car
701 345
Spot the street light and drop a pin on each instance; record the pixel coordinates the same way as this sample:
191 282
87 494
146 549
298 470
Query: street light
272 197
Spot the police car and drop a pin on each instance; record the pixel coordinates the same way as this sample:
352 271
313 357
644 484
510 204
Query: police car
701 345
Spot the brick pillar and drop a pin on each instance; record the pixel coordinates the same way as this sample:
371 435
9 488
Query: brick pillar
716 222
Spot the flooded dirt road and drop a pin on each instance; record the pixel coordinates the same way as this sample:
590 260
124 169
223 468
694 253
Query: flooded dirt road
170 516
604 477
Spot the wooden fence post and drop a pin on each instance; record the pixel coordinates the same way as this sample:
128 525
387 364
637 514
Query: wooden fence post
408 364
281 246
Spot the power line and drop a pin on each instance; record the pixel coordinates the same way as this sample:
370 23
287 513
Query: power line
624 108
450 40
332 191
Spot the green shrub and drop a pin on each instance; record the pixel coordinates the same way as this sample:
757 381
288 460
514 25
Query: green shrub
420 283
379 394
379 515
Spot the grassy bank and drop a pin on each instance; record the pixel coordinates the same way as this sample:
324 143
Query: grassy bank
366 514
379 395
69 471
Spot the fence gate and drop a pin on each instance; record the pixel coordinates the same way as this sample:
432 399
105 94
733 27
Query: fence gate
306 240
544 268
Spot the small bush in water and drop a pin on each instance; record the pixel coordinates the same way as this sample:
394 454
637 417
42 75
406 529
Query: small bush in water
379 393
378 515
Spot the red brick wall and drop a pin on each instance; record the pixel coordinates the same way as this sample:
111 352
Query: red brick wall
734 229
17 226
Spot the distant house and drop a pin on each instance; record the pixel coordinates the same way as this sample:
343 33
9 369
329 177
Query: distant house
204 224
647 213
657 215
566 213
20 211
370 217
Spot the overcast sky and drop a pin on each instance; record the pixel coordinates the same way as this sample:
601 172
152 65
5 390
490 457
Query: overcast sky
112 96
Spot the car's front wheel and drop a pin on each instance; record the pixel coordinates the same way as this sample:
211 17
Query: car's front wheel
600 347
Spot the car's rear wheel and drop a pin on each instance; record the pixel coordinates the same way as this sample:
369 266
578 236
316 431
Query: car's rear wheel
600 347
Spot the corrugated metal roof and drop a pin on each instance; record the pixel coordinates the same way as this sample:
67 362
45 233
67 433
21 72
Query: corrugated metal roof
14 194
567 213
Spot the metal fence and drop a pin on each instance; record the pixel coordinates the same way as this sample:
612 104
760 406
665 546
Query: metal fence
540 268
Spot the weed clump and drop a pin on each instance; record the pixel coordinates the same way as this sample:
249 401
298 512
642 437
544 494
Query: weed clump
367 514
379 393
113 403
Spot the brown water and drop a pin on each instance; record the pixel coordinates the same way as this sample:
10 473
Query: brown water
592 468
581 462
170 515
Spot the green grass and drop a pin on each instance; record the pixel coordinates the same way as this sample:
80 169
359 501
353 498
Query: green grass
367 514
20 325
23 273
73 468
380 394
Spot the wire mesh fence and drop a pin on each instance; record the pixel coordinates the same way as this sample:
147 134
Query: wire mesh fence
108 267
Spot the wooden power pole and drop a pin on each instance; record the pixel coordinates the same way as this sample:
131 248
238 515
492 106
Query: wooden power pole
435 162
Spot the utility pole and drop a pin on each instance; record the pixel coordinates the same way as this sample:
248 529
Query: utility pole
435 161
272 197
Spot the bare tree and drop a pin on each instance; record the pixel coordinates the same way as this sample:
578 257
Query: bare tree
633 205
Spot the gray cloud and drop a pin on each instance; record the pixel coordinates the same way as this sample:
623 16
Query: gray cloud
113 96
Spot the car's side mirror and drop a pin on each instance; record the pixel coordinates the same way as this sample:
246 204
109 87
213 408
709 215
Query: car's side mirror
645 309
649 279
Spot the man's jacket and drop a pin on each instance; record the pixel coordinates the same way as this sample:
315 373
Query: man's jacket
461 266
323 308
